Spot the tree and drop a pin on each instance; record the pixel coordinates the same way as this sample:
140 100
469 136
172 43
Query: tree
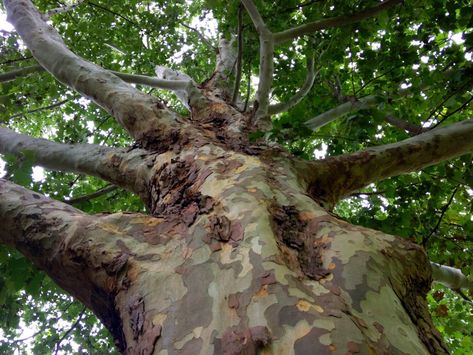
239 249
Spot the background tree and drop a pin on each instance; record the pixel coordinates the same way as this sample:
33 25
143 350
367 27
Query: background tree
229 242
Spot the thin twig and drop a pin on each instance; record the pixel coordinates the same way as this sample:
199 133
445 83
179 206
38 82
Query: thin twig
92 195
375 78
69 331
465 297
444 209
201 36
16 60
453 112
49 107
113 13
300 6
451 94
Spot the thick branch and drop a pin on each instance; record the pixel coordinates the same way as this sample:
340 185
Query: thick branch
266 70
255 16
361 104
79 252
239 63
336 177
134 110
341 110
224 75
299 95
266 65
173 85
125 169
344 20
451 277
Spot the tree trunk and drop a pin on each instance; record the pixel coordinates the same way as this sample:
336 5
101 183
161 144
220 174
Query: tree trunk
237 259
236 256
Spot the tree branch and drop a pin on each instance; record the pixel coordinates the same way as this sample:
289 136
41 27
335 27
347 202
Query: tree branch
336 177
255 16
201 36
57 347
410 128
223 76
341 110
137 112
451 277
344 20
12 75
154 82
62 9
266 66
434 230
464 105
44 108
173 85
361 104
299 95
190 95
239 63
103 191
16 60
54 236
125 169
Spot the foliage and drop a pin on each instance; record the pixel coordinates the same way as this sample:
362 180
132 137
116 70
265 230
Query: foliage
416 59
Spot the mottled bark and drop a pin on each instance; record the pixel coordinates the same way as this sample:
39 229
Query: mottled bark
84 255
237 256
334 178
242 260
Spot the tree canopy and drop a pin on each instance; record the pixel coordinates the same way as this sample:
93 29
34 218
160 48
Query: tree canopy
363 79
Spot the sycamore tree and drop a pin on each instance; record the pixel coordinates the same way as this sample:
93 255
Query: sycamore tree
236 177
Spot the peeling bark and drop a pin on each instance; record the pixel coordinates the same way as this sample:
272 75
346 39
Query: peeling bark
240 259
336 177
237 256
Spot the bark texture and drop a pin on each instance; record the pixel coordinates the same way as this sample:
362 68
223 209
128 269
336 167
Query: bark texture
238 259
239 253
